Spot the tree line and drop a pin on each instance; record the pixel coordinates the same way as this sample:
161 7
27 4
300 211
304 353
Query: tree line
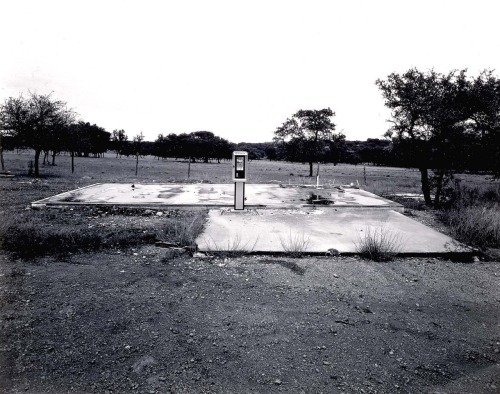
440 123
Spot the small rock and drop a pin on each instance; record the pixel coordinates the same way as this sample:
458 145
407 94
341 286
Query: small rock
326 363
333 252
143 363
159 213
165 244
277 382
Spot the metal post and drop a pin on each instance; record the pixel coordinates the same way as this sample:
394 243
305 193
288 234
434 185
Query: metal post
239 195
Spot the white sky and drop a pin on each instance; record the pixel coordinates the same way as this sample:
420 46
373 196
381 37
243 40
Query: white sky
236 68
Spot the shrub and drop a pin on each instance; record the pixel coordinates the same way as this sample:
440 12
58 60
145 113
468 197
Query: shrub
475 225
473 214
460 195
183 230
378 244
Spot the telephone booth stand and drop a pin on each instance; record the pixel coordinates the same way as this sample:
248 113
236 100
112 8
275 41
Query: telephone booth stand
240 159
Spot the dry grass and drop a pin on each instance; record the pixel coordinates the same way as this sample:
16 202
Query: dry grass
35 233
151 170
379 243
30 236
22 190
295 244
473 214
234 247
475 225
183 231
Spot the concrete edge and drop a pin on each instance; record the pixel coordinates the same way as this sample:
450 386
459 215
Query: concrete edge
41 203
460 257
60 204
151 205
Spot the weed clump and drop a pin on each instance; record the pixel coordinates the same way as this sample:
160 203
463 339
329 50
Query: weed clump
473 215
182 230
475 225
29 239
295 244
378 244
234 247
37 234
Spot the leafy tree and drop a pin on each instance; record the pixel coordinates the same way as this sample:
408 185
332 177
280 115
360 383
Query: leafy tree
304 135
222 149
199 145
82 139
161 146
485 101
119 141
202 145
271 153
34 120
430 110
335 149
89 139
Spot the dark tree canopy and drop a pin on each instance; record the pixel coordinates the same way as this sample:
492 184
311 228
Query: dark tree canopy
36 121
119 141
198 145
439 119
303 136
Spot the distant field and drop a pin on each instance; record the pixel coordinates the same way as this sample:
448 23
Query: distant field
381 180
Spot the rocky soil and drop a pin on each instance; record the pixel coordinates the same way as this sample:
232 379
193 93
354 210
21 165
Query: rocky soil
139 321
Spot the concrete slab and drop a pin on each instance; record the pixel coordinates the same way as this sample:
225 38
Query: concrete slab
316 230
214 195
280 218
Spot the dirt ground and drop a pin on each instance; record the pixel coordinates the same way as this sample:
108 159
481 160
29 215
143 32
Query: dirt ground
138 321
146 321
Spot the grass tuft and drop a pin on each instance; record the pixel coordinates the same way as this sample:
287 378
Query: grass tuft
378 244
232 248
183 230
295 244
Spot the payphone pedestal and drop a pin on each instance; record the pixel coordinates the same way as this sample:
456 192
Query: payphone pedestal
239 195
240 159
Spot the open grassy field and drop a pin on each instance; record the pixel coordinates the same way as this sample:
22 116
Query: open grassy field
385 180
89 304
